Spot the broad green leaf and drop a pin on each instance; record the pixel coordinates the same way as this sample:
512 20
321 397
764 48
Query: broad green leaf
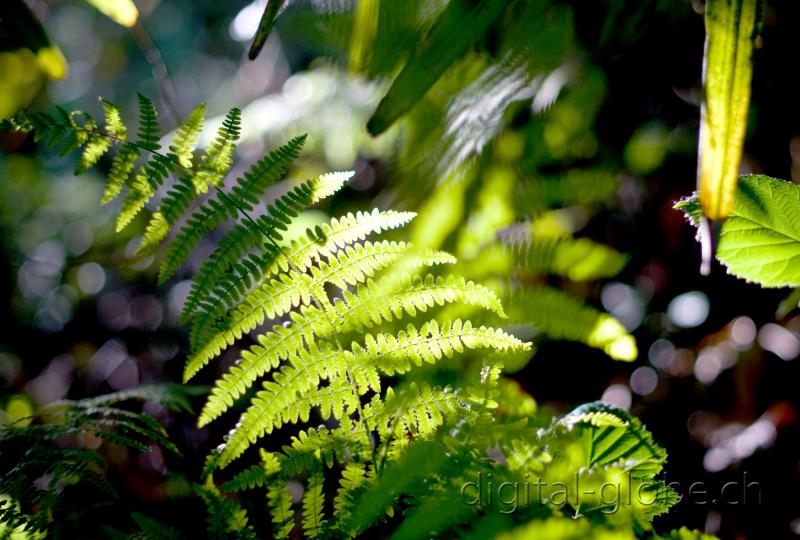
615 436
760 241
122 12
731 31
460 25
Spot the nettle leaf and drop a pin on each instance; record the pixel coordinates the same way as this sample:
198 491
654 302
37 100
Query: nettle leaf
760 241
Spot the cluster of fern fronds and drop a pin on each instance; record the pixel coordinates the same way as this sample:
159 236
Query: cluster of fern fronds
324 309
254 280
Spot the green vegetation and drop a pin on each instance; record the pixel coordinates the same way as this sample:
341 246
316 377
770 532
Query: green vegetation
460 332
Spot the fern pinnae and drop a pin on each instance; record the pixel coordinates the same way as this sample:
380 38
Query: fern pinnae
148 135
272 347
218 157
313 499
155 169
254 277
182 192
337 234
278 295
279 501
248 234
96 147
396 354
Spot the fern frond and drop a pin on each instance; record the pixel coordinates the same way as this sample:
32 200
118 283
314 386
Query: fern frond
313 500
247 235
121 167
371 305
252 477
265 173
226 519
562 316
145 184
218 157
322 445
354 477
280 508
185 140
277 296
262 417
428 344
578 259
417 411
211 214
338 234
96 147
277 403
294 391
155 170
149 130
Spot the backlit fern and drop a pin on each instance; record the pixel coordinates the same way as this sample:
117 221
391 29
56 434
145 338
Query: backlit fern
315 350
336 317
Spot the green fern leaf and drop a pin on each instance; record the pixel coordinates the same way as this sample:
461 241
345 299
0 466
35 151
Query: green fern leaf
578 259
121 167
218 157
185 140
230 289
155 170
252 477
144 186
354 477
246 235
149 130
277 296
370 306
428 344
214 211
280 506
313 500
562 316
95 147
181 195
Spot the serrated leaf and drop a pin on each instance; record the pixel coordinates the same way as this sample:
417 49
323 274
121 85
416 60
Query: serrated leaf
760 241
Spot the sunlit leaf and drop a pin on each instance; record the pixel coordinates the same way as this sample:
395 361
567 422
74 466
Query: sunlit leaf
731 31
760 241
21 29
122 12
